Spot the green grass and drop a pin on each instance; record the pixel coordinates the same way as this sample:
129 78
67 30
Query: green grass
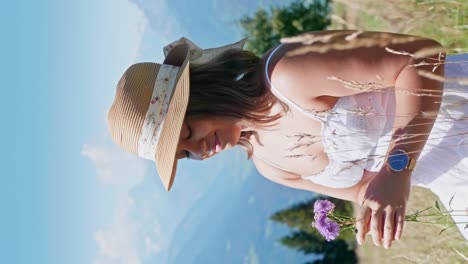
445 21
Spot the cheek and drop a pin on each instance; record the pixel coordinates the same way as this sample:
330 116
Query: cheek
234 134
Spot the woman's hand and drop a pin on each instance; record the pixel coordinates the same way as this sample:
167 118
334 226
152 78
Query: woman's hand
382 206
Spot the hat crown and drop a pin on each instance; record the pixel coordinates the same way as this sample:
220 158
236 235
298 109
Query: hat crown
132 98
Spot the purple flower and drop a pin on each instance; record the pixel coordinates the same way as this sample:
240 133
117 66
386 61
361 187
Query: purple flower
323 206
320 220
326 227
332 231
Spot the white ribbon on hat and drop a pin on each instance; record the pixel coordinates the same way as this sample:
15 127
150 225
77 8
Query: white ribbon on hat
156 113
199 55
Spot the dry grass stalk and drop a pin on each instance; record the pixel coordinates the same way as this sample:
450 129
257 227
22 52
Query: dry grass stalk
423 63
429 114
426 52
460 254
311 38
360 111
360 86
422 53
432 76
341 21
456 104
301 156
377 87
357 41
435 64
354 35
404 53
301 136
307 144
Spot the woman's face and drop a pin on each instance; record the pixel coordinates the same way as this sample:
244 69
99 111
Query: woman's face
202 138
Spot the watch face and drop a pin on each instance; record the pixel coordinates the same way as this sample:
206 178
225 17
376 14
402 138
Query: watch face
398 160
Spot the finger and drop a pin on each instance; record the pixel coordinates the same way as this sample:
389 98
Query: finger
367 225
361 222
400 220
389 227
376 226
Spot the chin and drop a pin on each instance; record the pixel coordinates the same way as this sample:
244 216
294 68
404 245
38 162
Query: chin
231 142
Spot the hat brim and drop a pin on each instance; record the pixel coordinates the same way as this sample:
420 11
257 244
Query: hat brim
166 163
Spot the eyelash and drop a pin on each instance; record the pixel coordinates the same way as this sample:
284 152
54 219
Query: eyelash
187 154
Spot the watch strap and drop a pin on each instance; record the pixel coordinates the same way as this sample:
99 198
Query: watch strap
411 164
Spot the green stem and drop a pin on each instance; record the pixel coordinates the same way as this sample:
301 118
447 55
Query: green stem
417 221
424 210
435 215
342 216
443 212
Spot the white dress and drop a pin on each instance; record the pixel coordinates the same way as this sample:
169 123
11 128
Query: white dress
354 141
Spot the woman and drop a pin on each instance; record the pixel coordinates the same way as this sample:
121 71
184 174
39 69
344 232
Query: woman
343 113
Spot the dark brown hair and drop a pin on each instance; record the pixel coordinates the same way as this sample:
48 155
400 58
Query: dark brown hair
229 86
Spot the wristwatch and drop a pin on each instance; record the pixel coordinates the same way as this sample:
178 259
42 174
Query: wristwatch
398 160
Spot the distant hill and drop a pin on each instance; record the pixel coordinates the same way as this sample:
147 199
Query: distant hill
234 226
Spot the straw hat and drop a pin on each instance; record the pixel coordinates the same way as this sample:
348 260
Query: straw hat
150 103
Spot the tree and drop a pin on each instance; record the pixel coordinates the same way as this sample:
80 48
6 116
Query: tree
264 30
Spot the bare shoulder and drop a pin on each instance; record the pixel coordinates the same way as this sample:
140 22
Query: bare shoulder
304 72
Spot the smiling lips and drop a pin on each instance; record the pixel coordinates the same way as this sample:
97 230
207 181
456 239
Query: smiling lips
216 147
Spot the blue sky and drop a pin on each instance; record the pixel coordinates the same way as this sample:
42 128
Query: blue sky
70 194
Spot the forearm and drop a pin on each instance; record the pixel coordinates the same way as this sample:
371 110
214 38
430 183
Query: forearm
416 113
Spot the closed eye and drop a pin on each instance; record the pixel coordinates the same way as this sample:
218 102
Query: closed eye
187 153
190 133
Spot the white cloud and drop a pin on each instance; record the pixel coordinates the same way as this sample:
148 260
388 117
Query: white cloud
114 165
268 229
117 243
162 19
139 30
127 239
124 31
151 247
252 257
228 246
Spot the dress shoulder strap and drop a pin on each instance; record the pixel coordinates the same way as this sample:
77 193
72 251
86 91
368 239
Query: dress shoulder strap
282 97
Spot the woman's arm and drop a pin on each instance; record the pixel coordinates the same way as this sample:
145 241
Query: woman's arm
340 72
387 194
